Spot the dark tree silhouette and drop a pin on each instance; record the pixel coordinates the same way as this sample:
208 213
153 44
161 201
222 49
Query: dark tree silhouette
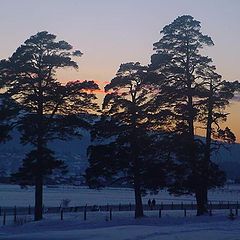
8 109
217 94
8 113
51 109
184 180
179 61
128 151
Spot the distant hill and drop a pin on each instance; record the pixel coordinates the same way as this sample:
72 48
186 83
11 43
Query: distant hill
73 152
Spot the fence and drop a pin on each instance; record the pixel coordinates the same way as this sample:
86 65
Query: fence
15 211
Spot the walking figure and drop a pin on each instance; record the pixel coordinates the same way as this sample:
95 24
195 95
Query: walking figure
153 203
149 203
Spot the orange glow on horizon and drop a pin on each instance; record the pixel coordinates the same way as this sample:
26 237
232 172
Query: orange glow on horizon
233 109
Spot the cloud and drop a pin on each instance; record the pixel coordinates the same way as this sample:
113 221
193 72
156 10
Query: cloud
99 91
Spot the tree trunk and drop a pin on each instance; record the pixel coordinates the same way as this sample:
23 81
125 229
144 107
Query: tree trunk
40 144
207 154
201 204
138 201
136 166
38 198
200 191
205 196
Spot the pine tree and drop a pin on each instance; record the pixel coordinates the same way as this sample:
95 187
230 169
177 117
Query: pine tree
217 94
50 109
128 151
179 61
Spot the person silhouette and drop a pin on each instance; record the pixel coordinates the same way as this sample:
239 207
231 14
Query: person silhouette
153 203
149 202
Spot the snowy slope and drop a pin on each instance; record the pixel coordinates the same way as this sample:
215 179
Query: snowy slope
171 226
73 152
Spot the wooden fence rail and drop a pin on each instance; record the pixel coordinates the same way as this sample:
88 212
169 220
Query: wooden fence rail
119 207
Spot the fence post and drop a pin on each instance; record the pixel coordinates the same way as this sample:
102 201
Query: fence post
160 213
185 212
85 213
61 214
4 218
29 210
110 214
162 205
130 207
15 214
107 207
236 211
172 206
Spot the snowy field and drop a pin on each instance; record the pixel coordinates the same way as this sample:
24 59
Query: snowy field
123 226
98 226
13 195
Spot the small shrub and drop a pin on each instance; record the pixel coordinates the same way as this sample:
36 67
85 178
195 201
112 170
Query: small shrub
65 202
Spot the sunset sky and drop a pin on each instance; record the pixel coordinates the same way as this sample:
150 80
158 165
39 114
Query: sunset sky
111 32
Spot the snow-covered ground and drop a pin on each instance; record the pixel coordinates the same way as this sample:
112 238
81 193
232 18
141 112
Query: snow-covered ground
172 224
13 195
124 227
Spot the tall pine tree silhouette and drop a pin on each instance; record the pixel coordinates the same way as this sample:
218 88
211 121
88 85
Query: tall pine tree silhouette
128 151
217 94
178 59
51 110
